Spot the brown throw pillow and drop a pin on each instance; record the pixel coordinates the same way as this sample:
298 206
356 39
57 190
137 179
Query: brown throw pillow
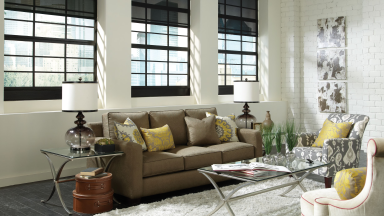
202 132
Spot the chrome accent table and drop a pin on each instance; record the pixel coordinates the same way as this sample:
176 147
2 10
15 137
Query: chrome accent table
298 166
70 155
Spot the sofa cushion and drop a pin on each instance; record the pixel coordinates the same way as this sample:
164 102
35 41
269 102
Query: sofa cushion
201 132
196 157
158 139
139 118
234 151
129 132
157 163
200 113
175 120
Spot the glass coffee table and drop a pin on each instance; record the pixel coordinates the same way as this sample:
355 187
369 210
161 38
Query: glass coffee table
298 166
70 155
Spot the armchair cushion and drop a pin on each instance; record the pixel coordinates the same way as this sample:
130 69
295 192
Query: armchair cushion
308 199
332 130
312 153
350 182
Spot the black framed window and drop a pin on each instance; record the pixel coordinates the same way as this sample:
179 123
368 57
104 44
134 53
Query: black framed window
47 42
237 41
160 48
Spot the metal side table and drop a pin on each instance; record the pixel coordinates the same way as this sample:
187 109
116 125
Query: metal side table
72 156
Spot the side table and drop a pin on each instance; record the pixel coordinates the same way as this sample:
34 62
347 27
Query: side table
72 156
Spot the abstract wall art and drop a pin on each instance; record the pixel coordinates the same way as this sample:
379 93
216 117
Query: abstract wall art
332 97
331 64
331 32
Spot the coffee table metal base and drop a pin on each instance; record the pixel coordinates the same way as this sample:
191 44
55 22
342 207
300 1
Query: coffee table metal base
224 200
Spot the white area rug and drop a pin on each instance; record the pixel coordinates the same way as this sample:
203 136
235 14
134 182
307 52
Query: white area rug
202 203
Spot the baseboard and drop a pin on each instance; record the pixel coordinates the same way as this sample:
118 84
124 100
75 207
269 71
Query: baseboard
22 179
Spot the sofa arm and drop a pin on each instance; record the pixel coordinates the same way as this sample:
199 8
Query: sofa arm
306 139
252 137
341 153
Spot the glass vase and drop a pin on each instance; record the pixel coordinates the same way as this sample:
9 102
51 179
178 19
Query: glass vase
290 156
279 159
269 159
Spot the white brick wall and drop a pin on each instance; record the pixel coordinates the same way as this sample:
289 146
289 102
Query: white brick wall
364 59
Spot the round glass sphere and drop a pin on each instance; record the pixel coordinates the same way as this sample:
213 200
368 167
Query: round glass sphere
245 121
80 138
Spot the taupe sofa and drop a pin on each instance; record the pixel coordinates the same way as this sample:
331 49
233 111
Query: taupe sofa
138 174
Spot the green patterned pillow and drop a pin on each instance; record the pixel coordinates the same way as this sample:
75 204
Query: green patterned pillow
350 182
129 132
226 128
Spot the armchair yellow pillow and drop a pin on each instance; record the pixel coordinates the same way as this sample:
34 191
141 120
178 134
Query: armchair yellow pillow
332 130
350 182
158 139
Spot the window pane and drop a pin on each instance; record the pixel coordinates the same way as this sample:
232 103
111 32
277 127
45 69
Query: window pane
18 28
178 80
178 56
221 36
75 76
38 9
138 12
231 79
247 13
157 29
18 47
137 67
157 67
249 59
177 17
249 77
48 79
157 80
27 2
137 80
249 38
178 68
50 18
221 9
8 14
81 5
82 51
249 26
138 27
80 21
53 4
233 2
221 58
221 44
157 15
249 70
178 31
49 49
233 11
233 37
233 45
80 65
50 30
249 47
157 39
49 64
157 2
178 41
233 26
137 37
137 54
18 79
249 3
80 33
221 80
221 69
157 55
17 63
178 3
233 59
234 69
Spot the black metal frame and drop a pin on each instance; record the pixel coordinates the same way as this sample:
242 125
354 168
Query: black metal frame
228 89
158 91
48 93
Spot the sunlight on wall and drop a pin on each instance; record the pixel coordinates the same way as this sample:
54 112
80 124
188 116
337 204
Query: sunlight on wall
101 63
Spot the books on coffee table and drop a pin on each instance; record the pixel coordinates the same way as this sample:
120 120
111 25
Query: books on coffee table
251 166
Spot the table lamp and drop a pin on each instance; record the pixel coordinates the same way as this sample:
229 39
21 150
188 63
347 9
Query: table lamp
246 92
79 96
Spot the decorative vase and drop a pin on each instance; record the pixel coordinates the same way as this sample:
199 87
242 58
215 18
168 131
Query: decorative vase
279 159
268 159
268 122
290 155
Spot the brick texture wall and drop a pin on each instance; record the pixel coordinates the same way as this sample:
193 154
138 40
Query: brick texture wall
364 59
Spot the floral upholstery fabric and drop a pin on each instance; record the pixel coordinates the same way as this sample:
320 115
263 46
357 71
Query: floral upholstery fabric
158 139
332 130
313 153
342 153
226 128
129 132
350 182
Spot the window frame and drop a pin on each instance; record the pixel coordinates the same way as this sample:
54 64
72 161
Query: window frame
48 93
159 91
228 89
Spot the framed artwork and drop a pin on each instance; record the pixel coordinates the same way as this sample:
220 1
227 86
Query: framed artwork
257 126
331 64
332 97
331 32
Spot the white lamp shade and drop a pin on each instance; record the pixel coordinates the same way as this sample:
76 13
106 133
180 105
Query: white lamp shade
246 92
79 96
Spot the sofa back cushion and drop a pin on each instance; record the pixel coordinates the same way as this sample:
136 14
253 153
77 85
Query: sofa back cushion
200 113
109 119
175 120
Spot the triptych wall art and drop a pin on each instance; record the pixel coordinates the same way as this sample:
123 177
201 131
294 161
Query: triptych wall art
332 96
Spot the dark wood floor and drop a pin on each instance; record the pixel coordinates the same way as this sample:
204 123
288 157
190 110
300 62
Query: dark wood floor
25 199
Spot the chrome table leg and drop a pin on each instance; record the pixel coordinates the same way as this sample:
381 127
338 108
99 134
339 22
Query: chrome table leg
53 172
298 180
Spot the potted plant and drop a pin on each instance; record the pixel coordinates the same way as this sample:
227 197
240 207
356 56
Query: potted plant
291 137
105 145
278 131
268 136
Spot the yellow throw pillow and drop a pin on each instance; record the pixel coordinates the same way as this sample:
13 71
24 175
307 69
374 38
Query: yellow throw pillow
350 182
226 128
158 139
129 132
332 130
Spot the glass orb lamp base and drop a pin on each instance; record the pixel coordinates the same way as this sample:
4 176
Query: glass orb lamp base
80 138
245 120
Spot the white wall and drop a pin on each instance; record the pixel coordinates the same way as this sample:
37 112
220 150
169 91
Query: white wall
364 59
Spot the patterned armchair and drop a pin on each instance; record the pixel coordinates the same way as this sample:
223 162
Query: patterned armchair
342 153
